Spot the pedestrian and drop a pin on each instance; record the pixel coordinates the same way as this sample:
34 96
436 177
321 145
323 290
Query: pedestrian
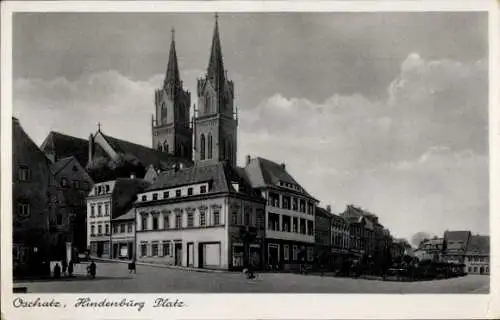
92 269
57 271
131 266
250 270
64 264
70 268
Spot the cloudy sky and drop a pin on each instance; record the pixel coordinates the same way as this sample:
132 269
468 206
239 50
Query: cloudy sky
388 111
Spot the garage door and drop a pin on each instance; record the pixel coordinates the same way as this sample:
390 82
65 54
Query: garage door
211 254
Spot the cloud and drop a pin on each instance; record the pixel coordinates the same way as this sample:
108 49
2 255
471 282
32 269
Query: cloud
417 157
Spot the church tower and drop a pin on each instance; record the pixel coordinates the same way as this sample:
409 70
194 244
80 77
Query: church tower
171 131
215 125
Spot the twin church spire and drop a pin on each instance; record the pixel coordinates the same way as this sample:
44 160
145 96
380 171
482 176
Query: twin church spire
214 128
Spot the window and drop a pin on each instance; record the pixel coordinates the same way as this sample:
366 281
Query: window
144 222
202 147
166 221
286 252
311 208
310 227
122 228
154 249
470 269
129 227
106 209
274 199
23 173
144 249
165 195
286 202
86 185
286 226
107 188
99 229
144 198
76 184
99 210
310 253
295 253
155 196
178 192
202 218
155 222
234 218
59 219
115 228
273 221
190 191
64 182
260 219
92 230
190 219
203 189
475 269
210 146
295 204
303 226
295 224
178 221
23 209
107 229
216 216
166 249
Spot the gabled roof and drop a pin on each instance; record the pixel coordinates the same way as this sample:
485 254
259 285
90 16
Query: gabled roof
479 245
324 213
145 155
60 164
64 146
457 239
219 176
130 215
266 173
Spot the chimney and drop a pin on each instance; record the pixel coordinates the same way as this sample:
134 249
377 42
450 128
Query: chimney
283 166
329 208
248 159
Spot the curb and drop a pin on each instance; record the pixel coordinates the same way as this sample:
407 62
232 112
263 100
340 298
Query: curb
166 266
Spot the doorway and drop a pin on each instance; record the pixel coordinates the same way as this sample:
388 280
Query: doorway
273 255
100 248
178 253
190 254
481 270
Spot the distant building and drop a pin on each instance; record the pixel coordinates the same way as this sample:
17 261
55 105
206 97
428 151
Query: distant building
430 249
477 256
75 184
206 216
290 214
57 146
341 238
123 235
400 248
455 243
362 231
40 217
106 201
323 235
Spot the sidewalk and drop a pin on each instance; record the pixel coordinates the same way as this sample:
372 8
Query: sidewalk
159 265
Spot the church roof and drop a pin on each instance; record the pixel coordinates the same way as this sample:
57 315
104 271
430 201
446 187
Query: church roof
60 164
144 154
172 75
215 69
64 145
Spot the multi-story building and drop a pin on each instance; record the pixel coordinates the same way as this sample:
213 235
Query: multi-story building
290 214
456 243
206 216
123 235
75 184
399 248
106 201
340 250
40 219
361 231
323 235
430 249
477 256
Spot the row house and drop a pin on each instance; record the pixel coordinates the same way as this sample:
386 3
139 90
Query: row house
323 234
106 201
430 249
477 256
341 241
456 243
290 214
203 216
123 235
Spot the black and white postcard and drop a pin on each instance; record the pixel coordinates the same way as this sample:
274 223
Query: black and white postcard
162 159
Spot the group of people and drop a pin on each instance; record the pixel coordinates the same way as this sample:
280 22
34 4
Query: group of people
68 269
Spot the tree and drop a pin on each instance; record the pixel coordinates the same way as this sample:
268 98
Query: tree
104 169
419 237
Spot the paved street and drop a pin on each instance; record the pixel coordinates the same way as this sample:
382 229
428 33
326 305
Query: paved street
114 278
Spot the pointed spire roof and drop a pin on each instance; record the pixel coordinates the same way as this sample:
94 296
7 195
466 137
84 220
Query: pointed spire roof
172 76
215 69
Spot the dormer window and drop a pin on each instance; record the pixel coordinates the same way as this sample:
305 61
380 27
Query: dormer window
64 182
107 188
178 192
190 191
203 189
155 196
165 195
144 198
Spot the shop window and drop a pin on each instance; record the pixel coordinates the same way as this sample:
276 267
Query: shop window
154 249
144 249
166 249
286 251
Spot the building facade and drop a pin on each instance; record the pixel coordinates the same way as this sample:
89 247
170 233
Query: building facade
207 216
477 256
456 243
341 237
323 236
123 236
290 214
106 201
